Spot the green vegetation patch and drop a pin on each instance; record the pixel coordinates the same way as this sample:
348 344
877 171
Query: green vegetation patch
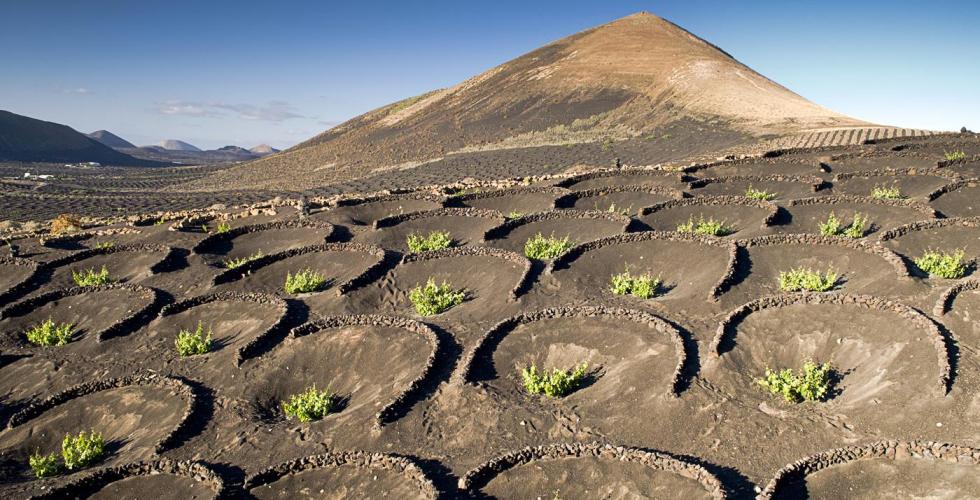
803 279
756 194
193 343
47 333
304 281
309 405
435 240
943 264
643 286
434 299
834 226
813 383
223 227
91 277
556 384
404 103
542 248
709 227
82 450
887 193
241 261
44 465
954 155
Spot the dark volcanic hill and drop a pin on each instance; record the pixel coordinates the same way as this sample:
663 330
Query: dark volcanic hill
618 81
227 154
110 139
27 139
176 152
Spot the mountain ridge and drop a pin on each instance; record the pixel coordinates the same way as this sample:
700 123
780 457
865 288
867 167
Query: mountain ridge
23 138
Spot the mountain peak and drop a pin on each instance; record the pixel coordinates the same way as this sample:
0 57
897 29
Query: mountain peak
175 145
110 139
264 149
621 80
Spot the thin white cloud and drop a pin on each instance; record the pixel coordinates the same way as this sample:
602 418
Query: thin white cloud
184 108
274 111
77 91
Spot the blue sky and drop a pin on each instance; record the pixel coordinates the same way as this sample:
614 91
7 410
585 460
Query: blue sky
246 72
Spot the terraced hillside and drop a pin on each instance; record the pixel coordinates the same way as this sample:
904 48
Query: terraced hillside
672 296
106 192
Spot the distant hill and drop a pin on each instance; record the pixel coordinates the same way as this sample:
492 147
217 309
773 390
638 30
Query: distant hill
264 149
226 154
623 80
110 139
233 149
178 152
27 139
175 145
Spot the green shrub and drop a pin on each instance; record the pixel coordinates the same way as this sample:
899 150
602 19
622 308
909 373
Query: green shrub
800 279
643 286
887 193
539 247
191 343
241 261
91 277
435 240
942 264
304 281
515 215
83 449
556 384
832 227
756 194
858 227
709 227
309 405
434 299
954 155
223 227
43 465
105 245
50 334
812 384
835 226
